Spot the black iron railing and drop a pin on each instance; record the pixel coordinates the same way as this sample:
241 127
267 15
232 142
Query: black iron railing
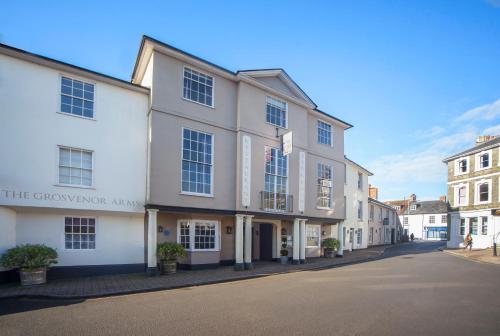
271 201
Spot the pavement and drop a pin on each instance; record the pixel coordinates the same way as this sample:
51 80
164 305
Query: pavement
412 290
485 255
99 286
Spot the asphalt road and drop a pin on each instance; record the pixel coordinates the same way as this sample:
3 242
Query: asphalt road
415 290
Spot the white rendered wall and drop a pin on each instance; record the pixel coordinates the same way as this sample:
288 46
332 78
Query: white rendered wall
353 194
7 230
31 130
479 241
119 239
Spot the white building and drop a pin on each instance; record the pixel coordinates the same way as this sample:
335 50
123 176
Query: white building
73 172
427 220
355 226
383 225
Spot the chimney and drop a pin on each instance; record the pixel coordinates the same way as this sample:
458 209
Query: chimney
372 192
442 198
413 197
484 138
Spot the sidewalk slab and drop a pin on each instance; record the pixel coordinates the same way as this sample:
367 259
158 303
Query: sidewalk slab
485 255
120 284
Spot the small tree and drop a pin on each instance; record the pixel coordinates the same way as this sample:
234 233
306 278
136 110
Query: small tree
29 257
170 251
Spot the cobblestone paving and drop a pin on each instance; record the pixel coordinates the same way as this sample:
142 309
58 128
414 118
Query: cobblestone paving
138 282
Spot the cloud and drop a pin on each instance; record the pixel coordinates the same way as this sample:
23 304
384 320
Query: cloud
431 133
484 112
421 167
494 3
493 130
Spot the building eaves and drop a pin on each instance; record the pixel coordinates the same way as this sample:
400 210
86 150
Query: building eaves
478 148
369 173
29 56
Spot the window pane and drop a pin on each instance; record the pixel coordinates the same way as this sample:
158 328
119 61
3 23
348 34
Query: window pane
72 94
196 162
198 87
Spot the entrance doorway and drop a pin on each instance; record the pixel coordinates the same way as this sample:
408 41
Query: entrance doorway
266 242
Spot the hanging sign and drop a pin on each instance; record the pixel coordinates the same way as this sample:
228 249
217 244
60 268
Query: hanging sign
286 143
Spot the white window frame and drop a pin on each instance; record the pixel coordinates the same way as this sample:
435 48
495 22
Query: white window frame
360 210
70 185
372 212
317 132
476 192
318 226
445 217
413 207
192 229
81 79
457 166
96 233
456 200
270 148
331 188
286 112
203 73
190 193
360 181
478 157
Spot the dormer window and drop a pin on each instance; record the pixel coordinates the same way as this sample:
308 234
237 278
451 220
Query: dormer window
483 160
276 112
413 207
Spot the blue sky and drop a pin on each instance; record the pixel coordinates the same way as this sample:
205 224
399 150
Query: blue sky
418 79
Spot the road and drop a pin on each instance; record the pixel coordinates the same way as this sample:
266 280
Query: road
414 290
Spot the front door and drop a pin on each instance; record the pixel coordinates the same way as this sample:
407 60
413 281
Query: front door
266 242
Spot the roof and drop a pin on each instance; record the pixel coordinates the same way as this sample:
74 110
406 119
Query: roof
47 61
373 200
369 173
428 207
403 204
146 38
478 148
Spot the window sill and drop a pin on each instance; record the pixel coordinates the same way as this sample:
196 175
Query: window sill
74 186
283 128
207 250
194 101
481 169
324 208
185 193
482 203
76 116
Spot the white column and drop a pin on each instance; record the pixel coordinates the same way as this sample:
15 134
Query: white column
296 241
248 242
152 242
277 246
340 252
302 251
238 243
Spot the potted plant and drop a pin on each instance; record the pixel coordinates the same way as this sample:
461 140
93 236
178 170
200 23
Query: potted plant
330 245
284 256
32 262
168 253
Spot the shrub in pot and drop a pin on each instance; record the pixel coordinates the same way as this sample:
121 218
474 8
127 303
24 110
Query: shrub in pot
32 262
330 246
284 256
168 253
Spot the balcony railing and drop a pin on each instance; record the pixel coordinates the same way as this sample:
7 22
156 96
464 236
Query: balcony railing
271 201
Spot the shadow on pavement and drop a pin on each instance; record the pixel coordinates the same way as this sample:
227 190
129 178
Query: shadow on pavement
20 305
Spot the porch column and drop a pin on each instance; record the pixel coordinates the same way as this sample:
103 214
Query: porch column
152 241
238 243
248 242
302 252
277 246
296 241
340 252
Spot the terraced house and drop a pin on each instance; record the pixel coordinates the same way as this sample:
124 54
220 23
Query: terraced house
241 164
474 193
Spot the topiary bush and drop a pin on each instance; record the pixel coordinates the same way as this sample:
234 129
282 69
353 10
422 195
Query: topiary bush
29 257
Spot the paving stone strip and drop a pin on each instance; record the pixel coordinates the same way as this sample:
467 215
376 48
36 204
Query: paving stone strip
108 285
